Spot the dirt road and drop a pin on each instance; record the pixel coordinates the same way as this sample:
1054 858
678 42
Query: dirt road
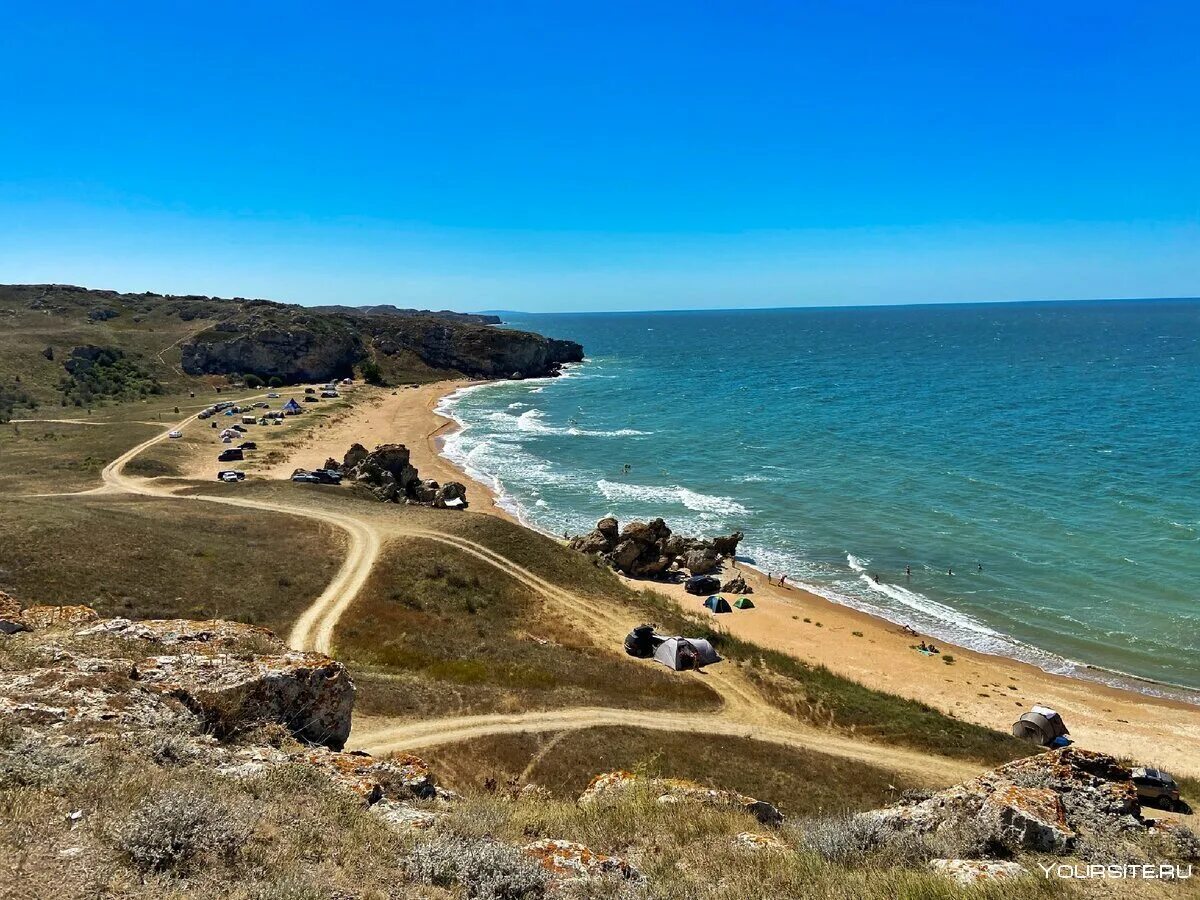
744 713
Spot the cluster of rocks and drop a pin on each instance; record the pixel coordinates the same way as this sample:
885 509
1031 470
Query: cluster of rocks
652 550
389 474
1041 803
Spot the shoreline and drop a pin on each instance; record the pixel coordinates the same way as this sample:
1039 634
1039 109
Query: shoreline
875 651
977 687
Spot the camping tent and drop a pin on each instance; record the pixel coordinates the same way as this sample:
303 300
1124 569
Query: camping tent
1040 725
718 604
744 603
686 653
291 407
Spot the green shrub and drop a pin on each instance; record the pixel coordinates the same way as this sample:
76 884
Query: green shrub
252 380
487 870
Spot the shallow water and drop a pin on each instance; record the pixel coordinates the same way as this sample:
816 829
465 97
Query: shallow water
1047 454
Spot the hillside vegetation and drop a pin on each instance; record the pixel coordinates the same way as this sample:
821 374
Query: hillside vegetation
63 345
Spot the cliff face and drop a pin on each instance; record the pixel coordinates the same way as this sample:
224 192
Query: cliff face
306 345
296 353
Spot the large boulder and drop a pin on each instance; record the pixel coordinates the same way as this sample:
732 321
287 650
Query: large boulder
356 454
1040 803
651 549
736 585
10 615
727 546
452 494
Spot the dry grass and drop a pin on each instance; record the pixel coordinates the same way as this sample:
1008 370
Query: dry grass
147 558
792 778
436 631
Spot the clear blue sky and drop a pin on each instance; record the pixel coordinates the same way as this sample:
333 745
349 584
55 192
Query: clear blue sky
565 155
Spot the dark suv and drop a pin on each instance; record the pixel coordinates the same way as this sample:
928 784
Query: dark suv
1157 788
231 455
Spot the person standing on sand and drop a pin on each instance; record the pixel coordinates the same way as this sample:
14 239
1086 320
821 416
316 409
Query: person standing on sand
782 580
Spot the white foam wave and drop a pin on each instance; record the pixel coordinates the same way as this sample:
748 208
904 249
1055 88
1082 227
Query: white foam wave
697 502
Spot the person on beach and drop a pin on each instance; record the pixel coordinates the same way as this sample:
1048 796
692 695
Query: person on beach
876 577
922 647
768 578
908 571
782 581
949 571
980 566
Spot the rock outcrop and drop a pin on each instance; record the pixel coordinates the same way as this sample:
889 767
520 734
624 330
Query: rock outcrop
568 861
1041 803
298 344
651 549
388 473
90 680
674 790
736 585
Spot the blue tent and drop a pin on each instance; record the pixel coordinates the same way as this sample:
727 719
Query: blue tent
718 604
292 406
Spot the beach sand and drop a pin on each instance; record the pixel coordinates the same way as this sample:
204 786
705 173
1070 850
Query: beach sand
976 687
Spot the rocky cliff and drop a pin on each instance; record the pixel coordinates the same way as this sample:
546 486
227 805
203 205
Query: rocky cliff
306 345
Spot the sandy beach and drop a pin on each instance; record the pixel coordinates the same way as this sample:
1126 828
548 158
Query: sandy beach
985 689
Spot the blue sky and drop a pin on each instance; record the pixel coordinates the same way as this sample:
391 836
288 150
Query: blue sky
561 155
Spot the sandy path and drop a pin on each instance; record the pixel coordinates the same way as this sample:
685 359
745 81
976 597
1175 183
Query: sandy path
434 732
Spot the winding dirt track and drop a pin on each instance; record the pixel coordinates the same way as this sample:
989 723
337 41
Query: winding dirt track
744 713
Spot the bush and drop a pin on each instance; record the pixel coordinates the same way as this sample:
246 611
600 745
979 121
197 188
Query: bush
171 828
857 840
253 381
370 371
487 870
275 381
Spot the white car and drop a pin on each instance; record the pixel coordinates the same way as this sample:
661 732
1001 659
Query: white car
174 434
232 476
273 396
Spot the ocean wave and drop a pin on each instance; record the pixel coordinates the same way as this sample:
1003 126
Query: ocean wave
705 503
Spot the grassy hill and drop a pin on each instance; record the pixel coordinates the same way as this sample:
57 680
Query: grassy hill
67 346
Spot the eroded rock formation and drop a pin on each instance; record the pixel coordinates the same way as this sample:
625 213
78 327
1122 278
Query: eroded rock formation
651 549
390 475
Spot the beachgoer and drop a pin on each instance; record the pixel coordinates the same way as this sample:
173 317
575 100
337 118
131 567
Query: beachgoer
949 571
768 578
922 647
876 577
782 580
980 565
908 571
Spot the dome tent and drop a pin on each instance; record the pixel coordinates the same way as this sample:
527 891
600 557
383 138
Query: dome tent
744 603
1041 725
717 604
686 653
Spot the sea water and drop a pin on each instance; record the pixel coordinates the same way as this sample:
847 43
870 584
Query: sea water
1048 455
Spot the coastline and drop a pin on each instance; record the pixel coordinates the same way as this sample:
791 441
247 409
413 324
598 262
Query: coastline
979 687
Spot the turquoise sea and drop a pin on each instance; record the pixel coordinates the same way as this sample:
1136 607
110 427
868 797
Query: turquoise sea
1047 453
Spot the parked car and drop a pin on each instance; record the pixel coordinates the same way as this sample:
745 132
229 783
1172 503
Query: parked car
174 434
248 445
305 477
1157 788
230 475
310 390
273 395
240 428
230 455
328 476
311 399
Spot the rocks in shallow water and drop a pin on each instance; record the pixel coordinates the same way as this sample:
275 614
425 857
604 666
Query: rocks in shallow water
675 790
651 550
389 474
1040 803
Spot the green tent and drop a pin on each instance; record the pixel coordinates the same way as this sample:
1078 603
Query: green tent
744 603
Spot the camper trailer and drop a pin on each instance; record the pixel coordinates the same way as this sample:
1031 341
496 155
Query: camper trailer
249 420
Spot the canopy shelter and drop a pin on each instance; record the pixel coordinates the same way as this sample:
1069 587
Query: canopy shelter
718 604
686 653
744 603
1041 725
292 406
